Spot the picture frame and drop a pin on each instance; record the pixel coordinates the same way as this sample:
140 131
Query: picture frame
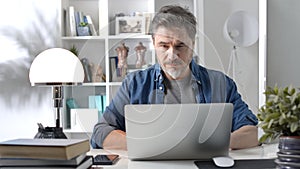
130 25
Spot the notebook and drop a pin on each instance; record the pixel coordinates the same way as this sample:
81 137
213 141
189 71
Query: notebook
178 131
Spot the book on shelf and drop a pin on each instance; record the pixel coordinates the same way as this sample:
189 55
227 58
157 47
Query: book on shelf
87 162
66 26
113 61
103 104
70 104
41 162
91 25
71 20
87 70
115 72
148 19
64 149
98 102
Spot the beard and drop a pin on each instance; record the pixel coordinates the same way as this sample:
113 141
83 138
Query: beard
175 72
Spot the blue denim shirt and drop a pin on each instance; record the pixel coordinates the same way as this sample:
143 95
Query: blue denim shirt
147 87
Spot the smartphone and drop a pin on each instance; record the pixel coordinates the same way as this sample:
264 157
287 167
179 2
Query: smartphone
108 159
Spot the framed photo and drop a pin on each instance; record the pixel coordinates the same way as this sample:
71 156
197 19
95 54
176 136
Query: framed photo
130 24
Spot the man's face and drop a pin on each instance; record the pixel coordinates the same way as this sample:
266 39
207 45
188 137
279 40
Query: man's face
174 51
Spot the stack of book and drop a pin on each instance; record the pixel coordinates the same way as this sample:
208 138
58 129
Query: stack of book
45 153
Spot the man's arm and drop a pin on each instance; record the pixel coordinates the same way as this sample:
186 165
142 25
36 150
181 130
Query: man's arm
244 137
109 131
115 140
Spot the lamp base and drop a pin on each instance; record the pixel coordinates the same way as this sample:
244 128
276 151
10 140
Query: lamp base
50 132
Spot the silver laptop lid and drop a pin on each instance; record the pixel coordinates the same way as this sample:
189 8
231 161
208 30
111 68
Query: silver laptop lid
178 131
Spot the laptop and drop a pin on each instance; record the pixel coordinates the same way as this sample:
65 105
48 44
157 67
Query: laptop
178 131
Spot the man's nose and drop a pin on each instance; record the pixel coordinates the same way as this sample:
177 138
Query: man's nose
172 53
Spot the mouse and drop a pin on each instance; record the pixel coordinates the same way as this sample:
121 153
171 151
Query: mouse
224 161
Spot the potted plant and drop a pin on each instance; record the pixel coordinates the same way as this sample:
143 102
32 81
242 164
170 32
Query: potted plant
280 118
83 29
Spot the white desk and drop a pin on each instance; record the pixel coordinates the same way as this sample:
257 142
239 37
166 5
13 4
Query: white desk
261 152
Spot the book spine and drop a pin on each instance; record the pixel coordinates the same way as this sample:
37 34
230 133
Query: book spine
87 70
72 21
89 20
103 103
113 67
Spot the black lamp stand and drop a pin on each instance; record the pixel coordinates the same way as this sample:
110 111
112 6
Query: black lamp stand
57 131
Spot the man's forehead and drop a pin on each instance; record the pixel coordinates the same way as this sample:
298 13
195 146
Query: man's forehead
166 38
172 35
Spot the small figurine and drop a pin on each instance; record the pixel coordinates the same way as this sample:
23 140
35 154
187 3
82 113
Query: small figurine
122 51
140 54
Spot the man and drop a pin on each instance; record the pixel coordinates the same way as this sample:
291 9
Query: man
176 78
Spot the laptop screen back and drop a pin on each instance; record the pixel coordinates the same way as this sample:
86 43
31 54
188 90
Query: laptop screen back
178 131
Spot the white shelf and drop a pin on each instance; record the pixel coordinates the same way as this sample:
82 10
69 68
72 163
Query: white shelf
94 84
130 36
115 83
119 37
83 38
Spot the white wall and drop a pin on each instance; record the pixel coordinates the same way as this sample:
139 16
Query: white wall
26 28
218 50
283 47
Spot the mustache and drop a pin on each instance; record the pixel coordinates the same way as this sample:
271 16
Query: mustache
174 62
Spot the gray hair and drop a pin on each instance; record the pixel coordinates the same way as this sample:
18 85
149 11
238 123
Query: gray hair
175 16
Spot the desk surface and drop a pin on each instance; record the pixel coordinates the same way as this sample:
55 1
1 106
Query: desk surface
261 152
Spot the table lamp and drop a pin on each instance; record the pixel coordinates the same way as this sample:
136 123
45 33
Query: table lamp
55 67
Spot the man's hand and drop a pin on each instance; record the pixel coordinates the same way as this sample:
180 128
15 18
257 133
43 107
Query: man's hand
115 140
244 137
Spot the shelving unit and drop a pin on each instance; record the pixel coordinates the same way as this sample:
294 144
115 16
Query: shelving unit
98 49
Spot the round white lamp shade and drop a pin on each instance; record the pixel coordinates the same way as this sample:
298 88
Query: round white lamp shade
56 66
241 29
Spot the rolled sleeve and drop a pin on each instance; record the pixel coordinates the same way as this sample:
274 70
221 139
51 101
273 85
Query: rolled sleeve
101 130
243 119
242 115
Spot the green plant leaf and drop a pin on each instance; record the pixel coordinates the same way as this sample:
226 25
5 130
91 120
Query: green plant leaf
263 138
270 123
83 24
282 119
294 126
74 50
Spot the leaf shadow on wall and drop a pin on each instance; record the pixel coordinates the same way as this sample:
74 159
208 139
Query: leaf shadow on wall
15 90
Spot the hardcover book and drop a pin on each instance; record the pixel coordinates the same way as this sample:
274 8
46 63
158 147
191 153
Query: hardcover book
40 162
91 25
64 149
72 22
85 163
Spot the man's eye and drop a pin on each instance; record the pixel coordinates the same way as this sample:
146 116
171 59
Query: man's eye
164 46
180 47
